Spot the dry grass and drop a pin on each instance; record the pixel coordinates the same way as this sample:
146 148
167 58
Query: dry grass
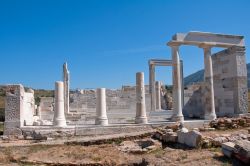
109 154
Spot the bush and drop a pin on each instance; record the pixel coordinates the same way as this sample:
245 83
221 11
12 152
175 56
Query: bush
2 116
1 128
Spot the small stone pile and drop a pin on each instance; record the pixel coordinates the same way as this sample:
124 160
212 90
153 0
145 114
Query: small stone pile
230 123
208 142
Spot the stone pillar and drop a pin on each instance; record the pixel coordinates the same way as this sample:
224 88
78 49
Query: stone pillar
158 95
66 77
141 115
59 116
14 109
152 86
101 113
182 83
177 85
208 76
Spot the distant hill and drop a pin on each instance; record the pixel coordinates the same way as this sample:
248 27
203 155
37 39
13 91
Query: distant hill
199 75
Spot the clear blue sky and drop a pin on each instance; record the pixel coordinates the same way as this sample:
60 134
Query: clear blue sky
106 42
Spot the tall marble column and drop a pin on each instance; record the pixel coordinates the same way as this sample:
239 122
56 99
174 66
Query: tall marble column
208 76
66 77
141 115
101 113
152 86
177 87
59 116
158 95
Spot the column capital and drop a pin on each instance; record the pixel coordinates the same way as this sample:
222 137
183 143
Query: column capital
151 65
173 44
205 46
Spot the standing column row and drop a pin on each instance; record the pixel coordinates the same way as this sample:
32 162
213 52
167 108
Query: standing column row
101 112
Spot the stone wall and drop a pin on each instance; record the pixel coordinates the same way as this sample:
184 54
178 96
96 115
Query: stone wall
19 109
193 106
28 110
230 81
118 99
230 86
46 108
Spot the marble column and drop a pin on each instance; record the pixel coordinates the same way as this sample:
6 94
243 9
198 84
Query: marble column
59 116
141 115
208 76
152 86
101 113
66 77
177 85
158 95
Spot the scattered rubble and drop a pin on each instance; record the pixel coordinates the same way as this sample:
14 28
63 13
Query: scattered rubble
195 138
183 136
139 146
230 123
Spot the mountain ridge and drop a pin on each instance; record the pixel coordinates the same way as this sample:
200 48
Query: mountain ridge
199 75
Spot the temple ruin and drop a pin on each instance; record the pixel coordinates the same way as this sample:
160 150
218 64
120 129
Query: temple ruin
99 111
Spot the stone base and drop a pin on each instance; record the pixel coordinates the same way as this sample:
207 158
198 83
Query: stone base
93 130
210 117
141 120
59 123
177 118
102 121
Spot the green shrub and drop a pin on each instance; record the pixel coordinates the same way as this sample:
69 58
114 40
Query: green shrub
2 117
1 128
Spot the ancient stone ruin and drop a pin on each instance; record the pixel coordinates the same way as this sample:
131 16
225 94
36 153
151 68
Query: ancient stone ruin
134 108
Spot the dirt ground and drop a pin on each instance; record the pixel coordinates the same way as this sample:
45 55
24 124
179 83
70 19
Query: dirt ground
109 154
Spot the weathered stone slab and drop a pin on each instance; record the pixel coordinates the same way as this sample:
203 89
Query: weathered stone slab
242 150
192 138
228 149
170 137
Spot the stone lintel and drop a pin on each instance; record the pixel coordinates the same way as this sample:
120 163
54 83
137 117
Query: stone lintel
211 39
161 62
